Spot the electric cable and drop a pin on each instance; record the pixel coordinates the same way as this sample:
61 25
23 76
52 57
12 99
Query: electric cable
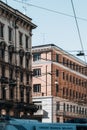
78 28
50 10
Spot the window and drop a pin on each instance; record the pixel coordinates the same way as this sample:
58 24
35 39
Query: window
70 108
63 75
10 57
70 78
77 81
37 72
76 94
36 57
64 61
27 78
70 92
27 63
39 107
74 108
57 87
57 73
77 109
67 63
3 71
20 38
67 107
1 30
71 64
64 106
21 76
57 58
37 88
10 34
21 60
73 80
22 93
58 106
26 41
3 93
27 95
11 93
10 73
64 90
67 77
2 54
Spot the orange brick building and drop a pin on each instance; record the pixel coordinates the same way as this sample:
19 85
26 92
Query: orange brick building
61 77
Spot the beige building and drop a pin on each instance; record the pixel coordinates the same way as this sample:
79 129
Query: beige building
59 84
15 62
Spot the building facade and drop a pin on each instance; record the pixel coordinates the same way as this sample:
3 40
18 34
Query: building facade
15 62
59 84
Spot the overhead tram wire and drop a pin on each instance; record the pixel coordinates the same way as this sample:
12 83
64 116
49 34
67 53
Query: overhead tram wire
78 29
50 10
60 14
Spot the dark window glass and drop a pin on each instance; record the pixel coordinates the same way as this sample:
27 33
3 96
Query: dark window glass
36 57
58 106
26 41
64 106
3 93
70 108
3 71
66 91
9 34
27 78
22 93
1 30
57 87
70 92
11 93
2 54
10 73
37 88
21 76
10 57
21 60
20 38
27 95
37 72
63 75
67 107
27 63
57 57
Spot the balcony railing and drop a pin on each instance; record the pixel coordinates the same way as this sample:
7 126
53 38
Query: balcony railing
70 114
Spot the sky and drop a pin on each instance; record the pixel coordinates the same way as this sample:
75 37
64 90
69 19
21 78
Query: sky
56 22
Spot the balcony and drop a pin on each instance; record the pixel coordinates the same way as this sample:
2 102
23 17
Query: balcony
38 94
21 52
11 48
3 45
70 114
41 113
4 79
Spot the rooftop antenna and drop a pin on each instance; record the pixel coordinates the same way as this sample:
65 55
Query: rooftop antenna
6 2
24 10
24 7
